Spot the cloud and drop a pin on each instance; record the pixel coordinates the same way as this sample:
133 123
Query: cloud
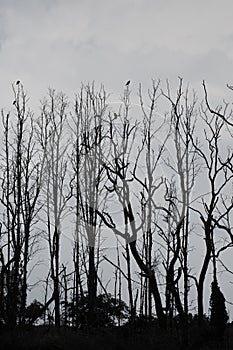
61 43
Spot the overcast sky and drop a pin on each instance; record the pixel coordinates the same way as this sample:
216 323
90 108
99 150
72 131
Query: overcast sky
61 43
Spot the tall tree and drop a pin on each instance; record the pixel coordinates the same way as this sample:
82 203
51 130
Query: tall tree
214 210
52 133
185 169
89 139
21 185
120 169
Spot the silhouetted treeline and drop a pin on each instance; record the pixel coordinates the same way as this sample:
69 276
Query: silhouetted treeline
154 179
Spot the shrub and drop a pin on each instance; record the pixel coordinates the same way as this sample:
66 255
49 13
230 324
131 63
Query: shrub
218 313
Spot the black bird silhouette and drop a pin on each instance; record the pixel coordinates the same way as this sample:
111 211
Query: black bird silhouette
14 102
128 82
17 82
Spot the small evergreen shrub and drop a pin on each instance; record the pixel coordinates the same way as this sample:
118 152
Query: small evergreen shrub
218 313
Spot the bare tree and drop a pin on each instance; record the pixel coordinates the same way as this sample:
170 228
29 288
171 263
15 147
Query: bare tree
21 185
52 133
214 213
185 169
121 174
89 138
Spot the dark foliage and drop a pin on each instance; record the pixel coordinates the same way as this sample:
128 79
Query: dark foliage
107 311
32 311
218 316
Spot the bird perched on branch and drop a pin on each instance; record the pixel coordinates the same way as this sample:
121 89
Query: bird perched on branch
128 82
17 82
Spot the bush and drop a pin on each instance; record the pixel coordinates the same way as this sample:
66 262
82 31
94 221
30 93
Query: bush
33 311
107 311
218 313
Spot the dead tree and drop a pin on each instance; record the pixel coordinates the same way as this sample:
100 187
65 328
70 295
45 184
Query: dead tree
149 156
215 211
88 180
122 134
185 168
54 140
21 185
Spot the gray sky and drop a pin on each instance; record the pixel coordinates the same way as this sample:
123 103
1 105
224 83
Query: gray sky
59 44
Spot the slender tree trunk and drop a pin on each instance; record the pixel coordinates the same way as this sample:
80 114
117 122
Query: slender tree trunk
24 279
185 266
154 285
91 287
56 278
129 280
202 277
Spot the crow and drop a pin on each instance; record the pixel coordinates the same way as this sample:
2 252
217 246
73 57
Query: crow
128 82
17 82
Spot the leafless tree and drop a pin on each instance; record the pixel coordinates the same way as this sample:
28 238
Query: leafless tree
89 146
54 140
215 208
121 172
21 184
185 169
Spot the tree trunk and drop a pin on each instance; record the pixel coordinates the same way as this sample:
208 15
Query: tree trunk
153 282
56 279
91 287
202 277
